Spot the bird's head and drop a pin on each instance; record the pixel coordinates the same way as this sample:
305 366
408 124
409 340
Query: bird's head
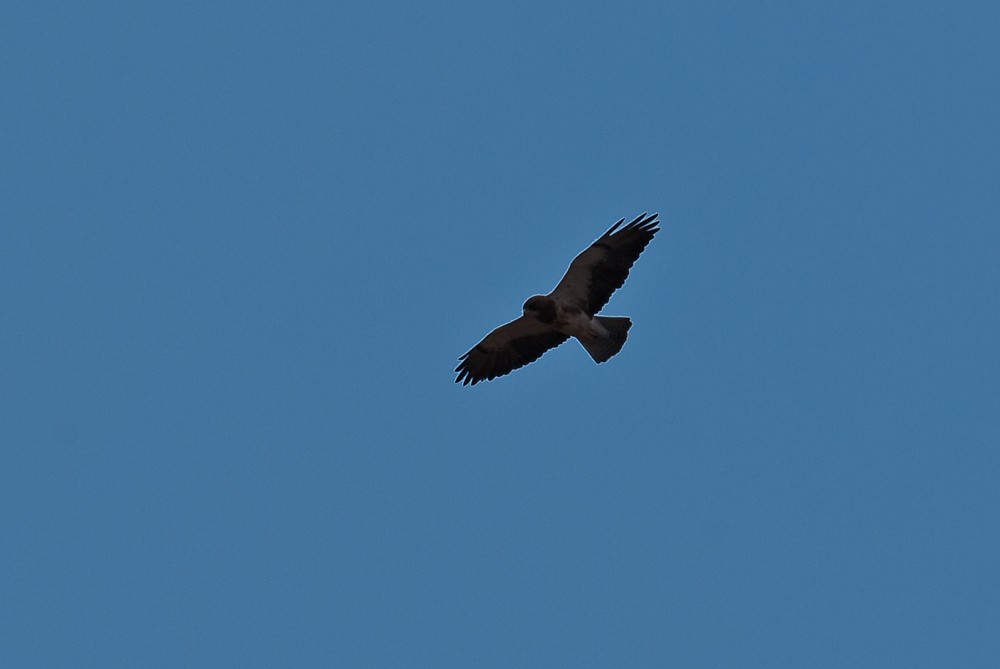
533 305
541 307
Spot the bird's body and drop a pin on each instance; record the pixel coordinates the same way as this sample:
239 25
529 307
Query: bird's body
570 310
575 323
571 320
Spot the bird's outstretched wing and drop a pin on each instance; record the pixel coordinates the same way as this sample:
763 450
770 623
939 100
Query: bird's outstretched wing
599 271
507 348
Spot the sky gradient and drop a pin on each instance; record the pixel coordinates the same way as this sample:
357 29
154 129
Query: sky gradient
242 246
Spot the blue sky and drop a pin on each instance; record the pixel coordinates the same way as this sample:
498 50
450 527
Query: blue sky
243 244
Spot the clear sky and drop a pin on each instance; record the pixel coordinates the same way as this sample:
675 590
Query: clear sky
243 244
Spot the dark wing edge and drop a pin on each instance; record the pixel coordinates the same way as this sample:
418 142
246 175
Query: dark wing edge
603 267
507 351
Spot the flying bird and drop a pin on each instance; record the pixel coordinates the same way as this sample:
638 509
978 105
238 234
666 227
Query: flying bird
570 310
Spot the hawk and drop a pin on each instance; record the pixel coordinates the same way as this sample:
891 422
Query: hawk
570 310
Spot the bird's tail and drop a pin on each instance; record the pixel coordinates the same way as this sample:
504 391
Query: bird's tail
602 350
